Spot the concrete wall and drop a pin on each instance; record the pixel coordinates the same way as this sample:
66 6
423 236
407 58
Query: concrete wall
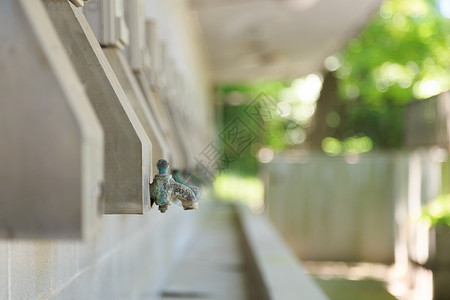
336 208
127 259
177 28
330 209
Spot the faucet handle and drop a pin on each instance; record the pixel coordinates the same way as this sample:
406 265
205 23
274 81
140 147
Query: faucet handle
162 166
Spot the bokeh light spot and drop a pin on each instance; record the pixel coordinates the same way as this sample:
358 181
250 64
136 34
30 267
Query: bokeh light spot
265 155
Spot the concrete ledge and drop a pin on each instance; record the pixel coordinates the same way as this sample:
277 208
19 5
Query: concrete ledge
127 146
136 99
275 273
51 142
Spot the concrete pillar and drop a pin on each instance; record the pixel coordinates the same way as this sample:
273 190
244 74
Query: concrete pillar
51 148
127 147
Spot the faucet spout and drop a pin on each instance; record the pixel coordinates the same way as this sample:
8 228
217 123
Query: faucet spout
178 177
164 190
184 194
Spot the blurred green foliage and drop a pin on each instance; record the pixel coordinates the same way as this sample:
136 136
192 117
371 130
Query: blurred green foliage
249 97
245 162
437 212
402 55
355 145
382 123
247 189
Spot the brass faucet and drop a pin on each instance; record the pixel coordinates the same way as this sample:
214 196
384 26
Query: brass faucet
163 190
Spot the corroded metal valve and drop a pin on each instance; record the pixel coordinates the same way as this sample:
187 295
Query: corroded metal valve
164 190
178 177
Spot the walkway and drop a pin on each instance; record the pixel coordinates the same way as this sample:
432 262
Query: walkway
213 267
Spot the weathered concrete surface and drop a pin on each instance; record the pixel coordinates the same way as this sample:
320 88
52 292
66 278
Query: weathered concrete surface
127 259
135 97
213 266
161 119
51 148
232 255
127 147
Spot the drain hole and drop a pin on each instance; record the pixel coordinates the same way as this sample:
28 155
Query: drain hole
183 295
